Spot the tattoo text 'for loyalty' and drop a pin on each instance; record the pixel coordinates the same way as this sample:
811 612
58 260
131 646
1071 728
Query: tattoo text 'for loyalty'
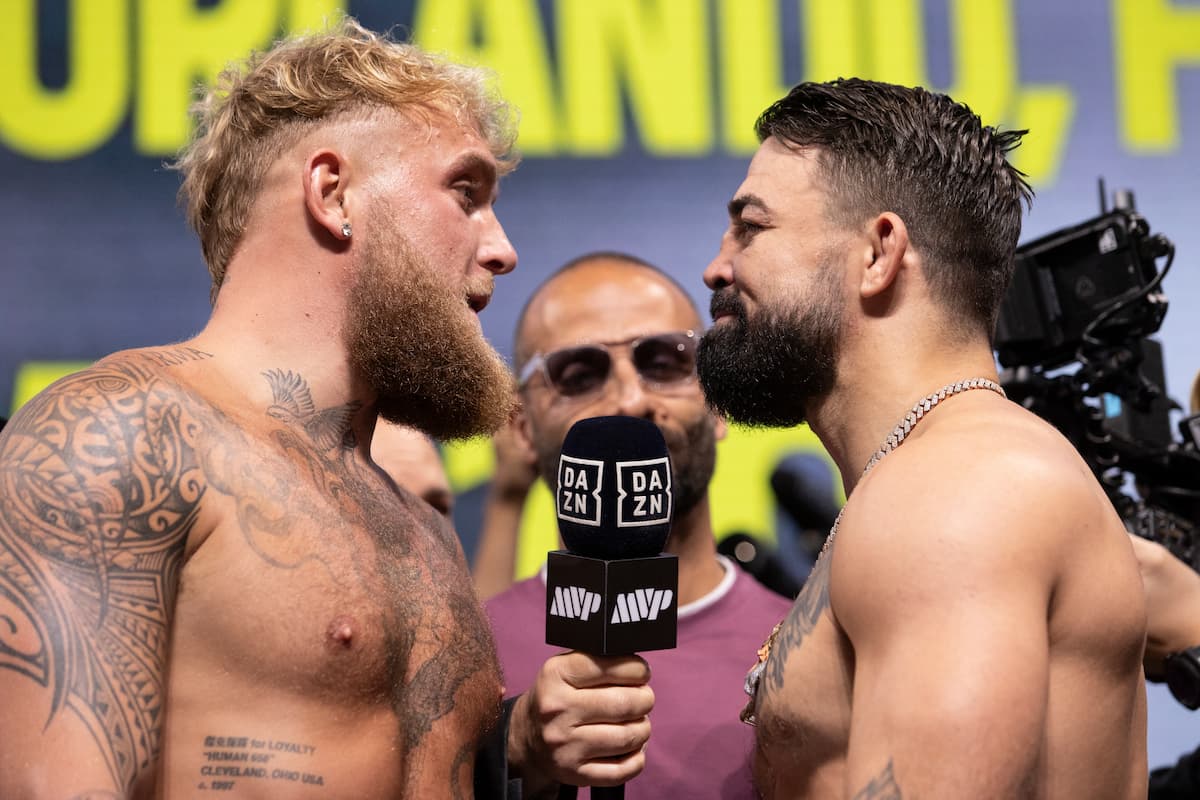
231 757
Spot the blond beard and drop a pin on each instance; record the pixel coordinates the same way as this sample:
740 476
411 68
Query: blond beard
413 341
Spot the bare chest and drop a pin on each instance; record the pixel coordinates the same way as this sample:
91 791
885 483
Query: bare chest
320 580
802 705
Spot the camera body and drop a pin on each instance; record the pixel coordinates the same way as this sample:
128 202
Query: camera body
1073 336
1064 283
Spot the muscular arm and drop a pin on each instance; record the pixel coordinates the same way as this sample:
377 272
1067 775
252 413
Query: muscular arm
944 596
98 490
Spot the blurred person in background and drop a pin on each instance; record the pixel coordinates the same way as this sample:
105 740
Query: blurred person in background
495 561
609 334
1173 643
411 459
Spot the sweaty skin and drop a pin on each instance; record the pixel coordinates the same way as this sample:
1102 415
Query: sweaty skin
244 593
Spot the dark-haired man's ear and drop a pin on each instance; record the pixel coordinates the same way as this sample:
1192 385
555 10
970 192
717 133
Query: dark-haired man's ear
888 237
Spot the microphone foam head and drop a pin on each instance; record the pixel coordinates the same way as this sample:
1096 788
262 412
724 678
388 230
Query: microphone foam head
613 489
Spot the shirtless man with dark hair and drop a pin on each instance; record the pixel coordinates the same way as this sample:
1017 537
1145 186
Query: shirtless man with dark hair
206 584
974 627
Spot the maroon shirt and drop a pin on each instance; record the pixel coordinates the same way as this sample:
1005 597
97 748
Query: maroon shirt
698 746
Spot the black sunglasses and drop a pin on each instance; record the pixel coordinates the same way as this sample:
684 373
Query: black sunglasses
662 360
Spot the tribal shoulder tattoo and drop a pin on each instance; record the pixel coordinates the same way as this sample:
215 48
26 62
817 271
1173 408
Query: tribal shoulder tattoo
99 487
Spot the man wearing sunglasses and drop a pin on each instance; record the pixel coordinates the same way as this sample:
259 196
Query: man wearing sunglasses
610 334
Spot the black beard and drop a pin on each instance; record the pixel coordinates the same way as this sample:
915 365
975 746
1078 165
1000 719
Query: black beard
410 339
691 475
765 373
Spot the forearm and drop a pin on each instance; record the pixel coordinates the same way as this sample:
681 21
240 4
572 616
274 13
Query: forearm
1172 592
522 763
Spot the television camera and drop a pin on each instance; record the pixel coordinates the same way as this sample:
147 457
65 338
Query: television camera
1073 337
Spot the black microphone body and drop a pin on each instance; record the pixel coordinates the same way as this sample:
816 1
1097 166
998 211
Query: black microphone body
611 607
613 591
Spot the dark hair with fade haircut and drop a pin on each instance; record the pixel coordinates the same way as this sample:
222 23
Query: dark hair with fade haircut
882 147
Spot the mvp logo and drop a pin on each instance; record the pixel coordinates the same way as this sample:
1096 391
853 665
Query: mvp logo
641 604
643 492
574 602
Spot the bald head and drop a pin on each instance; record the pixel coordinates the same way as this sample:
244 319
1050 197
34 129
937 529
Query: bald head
617 303
604 279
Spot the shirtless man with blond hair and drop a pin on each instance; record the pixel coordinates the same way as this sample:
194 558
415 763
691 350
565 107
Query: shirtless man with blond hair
207 587
974 627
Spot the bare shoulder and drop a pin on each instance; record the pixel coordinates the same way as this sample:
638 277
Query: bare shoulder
1008 471
975 499
103 465
113 382
100 485
121 401
124 418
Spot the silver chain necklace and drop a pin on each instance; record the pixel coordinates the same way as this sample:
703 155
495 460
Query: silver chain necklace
905 426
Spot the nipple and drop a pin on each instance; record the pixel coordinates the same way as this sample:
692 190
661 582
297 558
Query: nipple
340 632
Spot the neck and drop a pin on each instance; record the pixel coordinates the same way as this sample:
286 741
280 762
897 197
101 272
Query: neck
267 321
877 385
692 540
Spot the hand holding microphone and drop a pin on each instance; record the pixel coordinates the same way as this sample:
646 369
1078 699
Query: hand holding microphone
612 592
582 723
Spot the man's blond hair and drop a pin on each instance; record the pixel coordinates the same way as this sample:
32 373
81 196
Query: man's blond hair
259 108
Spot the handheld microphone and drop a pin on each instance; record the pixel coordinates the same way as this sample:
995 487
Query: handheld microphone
612 591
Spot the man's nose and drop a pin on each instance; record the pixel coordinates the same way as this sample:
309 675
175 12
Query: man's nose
496 253
632 399
719 272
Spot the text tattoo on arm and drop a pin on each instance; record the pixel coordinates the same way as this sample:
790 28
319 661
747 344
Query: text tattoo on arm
99 486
